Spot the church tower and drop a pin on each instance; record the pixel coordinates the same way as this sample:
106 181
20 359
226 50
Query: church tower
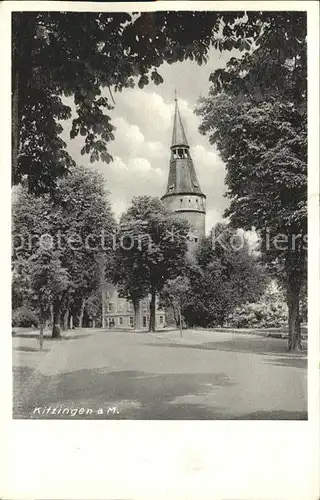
183 194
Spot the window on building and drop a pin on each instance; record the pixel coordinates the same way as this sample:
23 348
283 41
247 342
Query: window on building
131 320
195 239
161 320
144 306
110 306
121 306
120 320
180 153
144 321
181 200
130 307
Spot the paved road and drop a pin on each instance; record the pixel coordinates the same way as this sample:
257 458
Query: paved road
205 375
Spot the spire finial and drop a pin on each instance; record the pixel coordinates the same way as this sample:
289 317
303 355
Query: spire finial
178 134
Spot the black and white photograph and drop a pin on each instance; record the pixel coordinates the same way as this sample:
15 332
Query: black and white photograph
160 250
159 215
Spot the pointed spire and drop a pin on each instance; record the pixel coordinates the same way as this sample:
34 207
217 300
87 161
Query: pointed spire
182 175
178 134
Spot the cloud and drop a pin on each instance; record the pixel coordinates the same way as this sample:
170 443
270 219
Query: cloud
140 166
141 107
133 177
129 137
155 149
141 149
212 217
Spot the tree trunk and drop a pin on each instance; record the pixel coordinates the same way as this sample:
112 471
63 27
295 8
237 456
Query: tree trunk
136 309
93 323
102 267
71 322
175 313
152 321
83 303
103 306
56 331
18 53
180 320
41 335
66 320
293 299
65 310
51 314
221 321
15 125
294 264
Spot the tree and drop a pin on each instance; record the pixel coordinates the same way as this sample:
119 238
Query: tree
86 56
224 275
256 115
93 307
42 277
174 294
77 224
32 225
84 218
153 244
126 275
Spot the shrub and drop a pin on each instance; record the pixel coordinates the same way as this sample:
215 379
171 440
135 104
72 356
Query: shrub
270 311
260 315
24 317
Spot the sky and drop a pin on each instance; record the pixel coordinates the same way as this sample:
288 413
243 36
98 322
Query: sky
141 149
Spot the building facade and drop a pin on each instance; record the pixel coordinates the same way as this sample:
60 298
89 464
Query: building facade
119 312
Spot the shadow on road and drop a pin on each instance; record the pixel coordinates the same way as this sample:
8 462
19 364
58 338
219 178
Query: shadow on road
35 335
22 373
253 346
139 395
146 395
274 415
30 349
295 362
47 336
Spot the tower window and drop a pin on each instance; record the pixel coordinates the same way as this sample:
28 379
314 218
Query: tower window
195 239
189 201
181 200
